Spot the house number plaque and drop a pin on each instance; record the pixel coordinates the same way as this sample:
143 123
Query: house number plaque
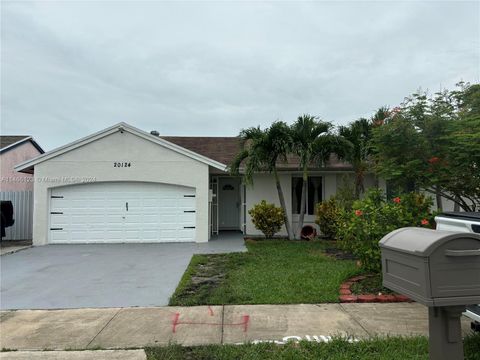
122 164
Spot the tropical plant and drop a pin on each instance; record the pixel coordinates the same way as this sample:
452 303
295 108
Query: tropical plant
261 150
373 217
359 134
327 217
313 143
267 218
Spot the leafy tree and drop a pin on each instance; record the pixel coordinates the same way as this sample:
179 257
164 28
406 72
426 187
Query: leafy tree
261 151
313 143
433 144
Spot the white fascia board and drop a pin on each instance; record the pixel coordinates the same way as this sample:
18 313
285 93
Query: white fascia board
113 129
15 144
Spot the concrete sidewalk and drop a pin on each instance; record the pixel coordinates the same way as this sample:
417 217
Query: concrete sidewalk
139 327
75 355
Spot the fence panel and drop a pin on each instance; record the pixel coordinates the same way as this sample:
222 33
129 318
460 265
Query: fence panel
23 214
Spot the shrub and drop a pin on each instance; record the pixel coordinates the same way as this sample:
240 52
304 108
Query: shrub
373 217
267 218
328 213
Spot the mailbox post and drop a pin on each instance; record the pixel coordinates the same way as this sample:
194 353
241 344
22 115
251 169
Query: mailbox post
439 269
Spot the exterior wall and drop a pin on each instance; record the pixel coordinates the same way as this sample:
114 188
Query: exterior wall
264 188
447 204
149 163
10 179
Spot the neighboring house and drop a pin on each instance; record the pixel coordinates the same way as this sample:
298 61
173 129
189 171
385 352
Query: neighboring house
126 185
17 187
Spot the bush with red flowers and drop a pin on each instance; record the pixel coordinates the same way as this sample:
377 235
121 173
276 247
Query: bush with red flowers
373 217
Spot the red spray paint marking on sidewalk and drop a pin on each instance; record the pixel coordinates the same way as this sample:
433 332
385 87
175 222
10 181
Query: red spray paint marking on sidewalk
210 311
176 322
246 319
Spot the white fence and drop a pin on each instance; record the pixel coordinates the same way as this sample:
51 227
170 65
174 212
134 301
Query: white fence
22 213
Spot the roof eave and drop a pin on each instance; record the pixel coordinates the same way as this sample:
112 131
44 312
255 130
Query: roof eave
17 143
26 165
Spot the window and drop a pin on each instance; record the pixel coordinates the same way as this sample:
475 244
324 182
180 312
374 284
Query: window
314 193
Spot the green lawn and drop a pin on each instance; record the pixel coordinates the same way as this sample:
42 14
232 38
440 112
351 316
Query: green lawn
271 272
395 348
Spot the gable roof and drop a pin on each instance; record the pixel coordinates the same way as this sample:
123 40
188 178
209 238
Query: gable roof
8 142
27 166
224 150
221 149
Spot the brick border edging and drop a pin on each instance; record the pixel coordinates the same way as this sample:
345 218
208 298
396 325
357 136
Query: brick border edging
346 295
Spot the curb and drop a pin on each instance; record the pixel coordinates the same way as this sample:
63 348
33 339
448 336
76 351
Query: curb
346 295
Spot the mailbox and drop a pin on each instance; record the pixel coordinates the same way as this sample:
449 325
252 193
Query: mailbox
440 269
435 268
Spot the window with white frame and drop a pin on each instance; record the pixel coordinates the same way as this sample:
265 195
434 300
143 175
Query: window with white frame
314 193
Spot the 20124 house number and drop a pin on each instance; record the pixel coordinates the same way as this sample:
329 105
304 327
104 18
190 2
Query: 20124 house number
122 164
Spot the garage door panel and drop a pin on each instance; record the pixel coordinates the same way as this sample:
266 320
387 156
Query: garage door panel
187 218
99 213
114 235
60 218
186 233
57 235
97 220
151 235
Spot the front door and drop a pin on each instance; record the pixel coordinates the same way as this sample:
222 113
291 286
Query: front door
229 203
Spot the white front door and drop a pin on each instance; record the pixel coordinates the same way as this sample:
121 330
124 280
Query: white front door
229 203
122 212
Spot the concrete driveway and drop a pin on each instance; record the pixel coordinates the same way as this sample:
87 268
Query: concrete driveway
103 275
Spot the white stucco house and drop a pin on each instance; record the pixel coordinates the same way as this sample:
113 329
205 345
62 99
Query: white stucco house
123 184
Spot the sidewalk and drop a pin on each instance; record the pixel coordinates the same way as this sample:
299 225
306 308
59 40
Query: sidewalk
75 355
139 327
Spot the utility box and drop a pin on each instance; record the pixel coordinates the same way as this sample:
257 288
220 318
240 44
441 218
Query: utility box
435 268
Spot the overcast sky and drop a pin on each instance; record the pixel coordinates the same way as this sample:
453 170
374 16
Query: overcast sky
212 68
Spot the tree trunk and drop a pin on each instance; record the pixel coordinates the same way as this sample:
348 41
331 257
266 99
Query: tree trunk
438 198
288 226
358 184
303 202
456 205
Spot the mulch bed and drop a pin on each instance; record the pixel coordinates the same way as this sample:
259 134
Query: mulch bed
346 295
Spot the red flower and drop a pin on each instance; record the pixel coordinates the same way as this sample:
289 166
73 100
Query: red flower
425 222
434 160
358 212
397 200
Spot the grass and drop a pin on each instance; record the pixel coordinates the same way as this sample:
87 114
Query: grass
271 272
393 348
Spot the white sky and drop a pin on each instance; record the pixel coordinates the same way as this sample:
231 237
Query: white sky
211 68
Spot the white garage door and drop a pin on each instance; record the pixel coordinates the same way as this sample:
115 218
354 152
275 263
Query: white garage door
122 212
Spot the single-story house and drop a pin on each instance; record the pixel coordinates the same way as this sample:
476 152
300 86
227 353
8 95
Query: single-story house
123 184
18 187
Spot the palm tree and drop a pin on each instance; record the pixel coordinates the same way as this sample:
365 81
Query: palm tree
359 134
313 143
261 151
